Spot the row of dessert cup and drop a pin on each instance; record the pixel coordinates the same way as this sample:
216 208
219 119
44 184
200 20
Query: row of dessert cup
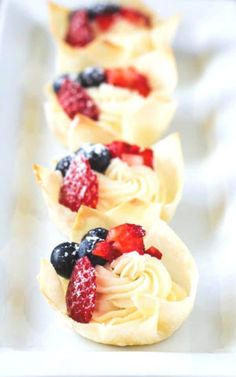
140 295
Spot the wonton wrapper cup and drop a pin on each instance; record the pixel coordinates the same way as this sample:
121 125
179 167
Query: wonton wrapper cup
156 319
125 114
168 163
111 48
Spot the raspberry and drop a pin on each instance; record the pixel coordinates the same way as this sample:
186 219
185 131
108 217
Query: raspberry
117 148
74 100
126 238
154 252
106 20
81 291
80 32
80 185
128 78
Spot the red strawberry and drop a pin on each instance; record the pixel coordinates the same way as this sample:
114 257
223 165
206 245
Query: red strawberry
118 148
128 78
126 238
74 100
154 252
147 155
106 251
106 20
135 16
80 32
81 291
80 185
131 154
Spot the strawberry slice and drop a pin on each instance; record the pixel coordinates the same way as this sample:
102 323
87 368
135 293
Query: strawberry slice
128 78
106 20
118 148
126 238
74 100
80 185
106 251
154 252
79 32
81 291
136 17
131 154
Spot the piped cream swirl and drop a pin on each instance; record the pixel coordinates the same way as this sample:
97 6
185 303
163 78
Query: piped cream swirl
129 288
122 183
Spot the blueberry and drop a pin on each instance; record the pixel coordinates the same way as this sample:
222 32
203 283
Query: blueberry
93 76
63 165
102 8
86 247
98 155
97 232
63 258
58 82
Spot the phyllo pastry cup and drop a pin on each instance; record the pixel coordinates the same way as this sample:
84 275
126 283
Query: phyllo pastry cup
107 46
147 182
132 103
137 297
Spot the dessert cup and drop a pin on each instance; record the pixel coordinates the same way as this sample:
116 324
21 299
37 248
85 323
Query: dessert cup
140 299
112 47
123 113
125 191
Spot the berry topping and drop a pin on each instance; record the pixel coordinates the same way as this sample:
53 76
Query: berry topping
63 165
102 8
97 232
126 238
74 100
80 185
136 17
80 32
106 251
128 78
131 154
81 291
98 155
93 76
86 248
63 258
58 82
154 252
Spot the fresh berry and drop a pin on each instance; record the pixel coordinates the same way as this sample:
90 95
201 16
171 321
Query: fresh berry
134 16
63 258
154 252
81 291
128 78
117 148
98 155
126 238
93 76
86 247
58 82
97 232
79 32
131 154
80 185
74 100
106 251
101 9
105 21
63 165
147 155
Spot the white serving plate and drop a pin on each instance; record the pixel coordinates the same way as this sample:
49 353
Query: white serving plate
33 341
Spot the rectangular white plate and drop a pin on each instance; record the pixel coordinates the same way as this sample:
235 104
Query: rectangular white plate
33 341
